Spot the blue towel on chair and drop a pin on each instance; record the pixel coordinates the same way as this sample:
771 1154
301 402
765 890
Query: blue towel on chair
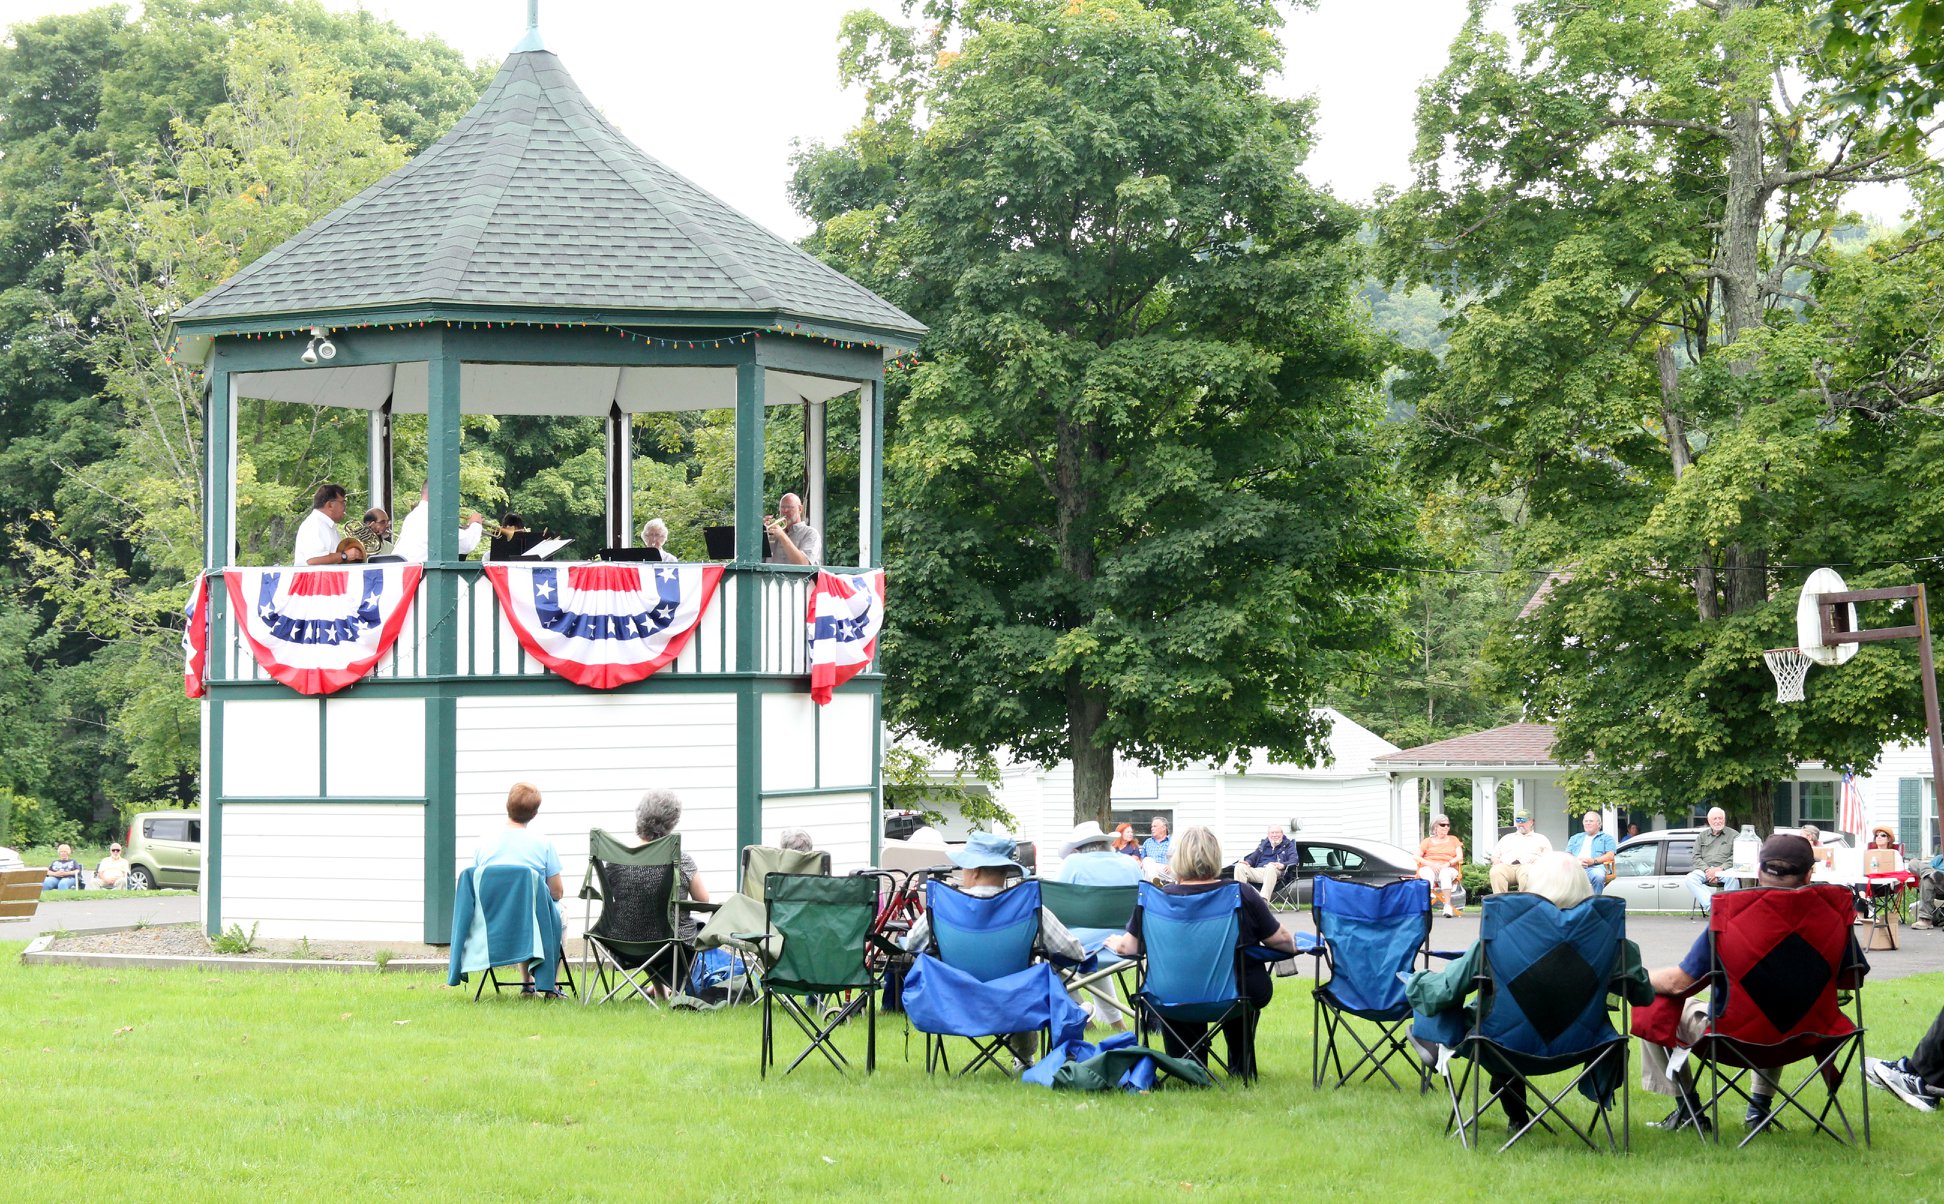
940 999
514 923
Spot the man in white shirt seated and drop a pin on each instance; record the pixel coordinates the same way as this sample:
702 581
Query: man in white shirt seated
414 537
1516 851
318 536
112 873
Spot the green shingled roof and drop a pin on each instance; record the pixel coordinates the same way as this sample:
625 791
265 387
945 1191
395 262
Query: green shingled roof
534 200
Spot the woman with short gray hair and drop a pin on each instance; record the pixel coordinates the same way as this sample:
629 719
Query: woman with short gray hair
796 840
654 534
655 817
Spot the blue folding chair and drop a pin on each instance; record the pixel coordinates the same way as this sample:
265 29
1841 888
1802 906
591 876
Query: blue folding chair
1543 1009
986 941
1191 971
1367 937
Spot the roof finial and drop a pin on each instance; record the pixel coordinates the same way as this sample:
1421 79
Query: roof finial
532 39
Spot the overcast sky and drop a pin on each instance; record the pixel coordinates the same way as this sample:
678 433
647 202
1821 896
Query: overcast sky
719 90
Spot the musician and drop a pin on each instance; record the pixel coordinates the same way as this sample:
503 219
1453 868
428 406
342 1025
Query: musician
414 537
654 534
792 541
375 532
317 537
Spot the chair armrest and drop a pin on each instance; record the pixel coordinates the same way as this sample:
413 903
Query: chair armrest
692 905
1449 955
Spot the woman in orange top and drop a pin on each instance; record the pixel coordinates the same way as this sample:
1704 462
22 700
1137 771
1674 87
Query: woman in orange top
1439 859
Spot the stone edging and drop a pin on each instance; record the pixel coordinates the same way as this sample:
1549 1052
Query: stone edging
37 953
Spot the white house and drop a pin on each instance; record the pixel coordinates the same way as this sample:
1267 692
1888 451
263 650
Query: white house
1345 795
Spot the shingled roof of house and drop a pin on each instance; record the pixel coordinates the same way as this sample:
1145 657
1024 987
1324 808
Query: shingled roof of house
1514 744
535 201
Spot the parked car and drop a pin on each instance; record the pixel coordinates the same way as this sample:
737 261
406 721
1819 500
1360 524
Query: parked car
164 849
1371 862
1650 870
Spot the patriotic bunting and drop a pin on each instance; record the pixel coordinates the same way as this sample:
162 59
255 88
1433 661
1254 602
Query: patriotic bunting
604 625
846 613
195 638
1850 818
317 630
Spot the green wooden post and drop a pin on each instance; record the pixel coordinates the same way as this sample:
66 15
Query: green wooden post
749 600
440 596
219 489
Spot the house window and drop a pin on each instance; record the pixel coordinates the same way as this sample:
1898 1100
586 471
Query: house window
1816 804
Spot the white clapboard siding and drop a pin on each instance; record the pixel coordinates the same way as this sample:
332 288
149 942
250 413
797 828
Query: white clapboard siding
839 824
844 732
339 872
591 758
270 748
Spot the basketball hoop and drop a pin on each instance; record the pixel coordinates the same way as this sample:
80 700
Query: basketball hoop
1790 666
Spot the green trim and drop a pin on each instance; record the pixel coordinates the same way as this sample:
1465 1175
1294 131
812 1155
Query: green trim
441 819
453 686
212 879
220 486
877 774
271 800
796 326
323 751
817 792
749 766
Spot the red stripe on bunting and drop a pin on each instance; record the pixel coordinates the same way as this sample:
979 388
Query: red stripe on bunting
604 576
317 583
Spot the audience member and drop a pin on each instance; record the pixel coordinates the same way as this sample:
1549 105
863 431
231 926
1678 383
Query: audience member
1784 863
1274 855
1155 851
112 873
796 840
1594 849
655 817
1930 888
654 534
512 843
1197 861
317 535
1825 857
1124 842
1086 860
1438 996
1714 853
64 872
1918 1076
1515 853
1441 859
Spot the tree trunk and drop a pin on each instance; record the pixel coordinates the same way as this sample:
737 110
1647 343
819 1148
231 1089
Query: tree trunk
1760 798
1093 762
1093 759
1707 600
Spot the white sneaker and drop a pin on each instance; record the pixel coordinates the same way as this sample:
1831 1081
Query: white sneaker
1896 1077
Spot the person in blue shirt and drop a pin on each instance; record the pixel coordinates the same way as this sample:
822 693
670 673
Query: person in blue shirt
513 844
1154 851
1594 851
1275 854
1089 860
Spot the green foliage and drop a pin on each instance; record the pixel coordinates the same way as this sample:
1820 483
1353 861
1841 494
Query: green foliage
234 941
142 159
1140 506
1664 364
1891 52
911 783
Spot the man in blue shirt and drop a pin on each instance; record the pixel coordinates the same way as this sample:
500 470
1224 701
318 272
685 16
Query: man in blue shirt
1274 855
1154 851
1594 851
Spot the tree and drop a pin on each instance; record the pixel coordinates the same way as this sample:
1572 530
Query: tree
1892 54
1137 507
1658 363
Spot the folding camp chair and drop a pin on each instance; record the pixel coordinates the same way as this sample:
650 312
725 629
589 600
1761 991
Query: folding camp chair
1191 970
816 943
502 916
1543 1009
1092 913
1368 936
1781 957
745 910
637 940
986 938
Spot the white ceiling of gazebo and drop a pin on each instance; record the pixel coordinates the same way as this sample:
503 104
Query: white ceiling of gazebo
541 389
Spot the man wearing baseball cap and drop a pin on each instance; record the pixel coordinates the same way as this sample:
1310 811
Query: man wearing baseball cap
1784 863
1517 850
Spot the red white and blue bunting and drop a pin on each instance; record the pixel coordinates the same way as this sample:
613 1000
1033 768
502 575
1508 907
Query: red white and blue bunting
317 630
604 625
846 614
195 638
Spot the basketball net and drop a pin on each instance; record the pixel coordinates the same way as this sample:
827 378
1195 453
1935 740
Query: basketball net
1790 666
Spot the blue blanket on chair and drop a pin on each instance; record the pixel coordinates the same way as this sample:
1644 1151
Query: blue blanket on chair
513 922
940 999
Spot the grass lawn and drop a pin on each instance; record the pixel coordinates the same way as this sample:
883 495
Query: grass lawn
98 896
285 1085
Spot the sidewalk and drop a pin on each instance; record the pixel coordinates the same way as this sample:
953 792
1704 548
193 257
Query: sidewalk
112 910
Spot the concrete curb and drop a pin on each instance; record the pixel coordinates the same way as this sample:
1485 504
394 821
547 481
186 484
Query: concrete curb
37 953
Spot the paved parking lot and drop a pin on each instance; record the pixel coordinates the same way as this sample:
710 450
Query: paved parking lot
108 910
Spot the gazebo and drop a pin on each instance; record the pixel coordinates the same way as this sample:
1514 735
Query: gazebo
533 261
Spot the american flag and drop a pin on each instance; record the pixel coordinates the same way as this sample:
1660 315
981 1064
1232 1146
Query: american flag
1849 816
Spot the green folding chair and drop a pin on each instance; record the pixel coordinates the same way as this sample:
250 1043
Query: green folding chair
1086 912
746 911
817 945
637 941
